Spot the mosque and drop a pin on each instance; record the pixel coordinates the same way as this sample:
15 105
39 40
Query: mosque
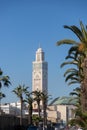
61 108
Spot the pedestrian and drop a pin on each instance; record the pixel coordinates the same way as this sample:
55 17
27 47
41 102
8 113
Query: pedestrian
79 128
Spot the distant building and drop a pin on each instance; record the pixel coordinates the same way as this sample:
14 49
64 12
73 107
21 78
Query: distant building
7 109
13 108
61 109
39 73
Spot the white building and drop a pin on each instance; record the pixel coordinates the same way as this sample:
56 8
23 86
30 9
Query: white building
13 108
39 74
7 109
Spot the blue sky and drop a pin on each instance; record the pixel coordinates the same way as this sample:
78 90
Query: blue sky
24 24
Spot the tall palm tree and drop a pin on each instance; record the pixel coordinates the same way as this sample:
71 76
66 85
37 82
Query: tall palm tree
81 48
20 91
29 100
4 81
44 98
37 98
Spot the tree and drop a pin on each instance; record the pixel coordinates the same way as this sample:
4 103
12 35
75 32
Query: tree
2 95
79 49
29 101
77 96
80 116
44 98
37 98
4 82
73 75
20 91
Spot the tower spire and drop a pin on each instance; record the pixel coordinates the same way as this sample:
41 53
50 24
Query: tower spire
39 45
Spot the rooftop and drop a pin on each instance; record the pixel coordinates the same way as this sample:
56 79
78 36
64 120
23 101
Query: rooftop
64 101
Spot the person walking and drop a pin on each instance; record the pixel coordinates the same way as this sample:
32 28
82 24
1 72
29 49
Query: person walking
79 128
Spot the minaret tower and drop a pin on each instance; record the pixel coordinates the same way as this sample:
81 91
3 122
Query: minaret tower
40 72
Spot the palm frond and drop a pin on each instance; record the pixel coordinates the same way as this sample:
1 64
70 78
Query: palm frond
71 70
66 41
73 93
68 63
76 30
69 57
84 32
73 49
2 95
71 76
73 82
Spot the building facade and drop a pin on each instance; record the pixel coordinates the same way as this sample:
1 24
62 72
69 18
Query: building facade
61 109
13 108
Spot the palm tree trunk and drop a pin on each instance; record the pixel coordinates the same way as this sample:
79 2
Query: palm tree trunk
0 101
21 111
84 86
38 109
44 115
84 97
30 115
0 106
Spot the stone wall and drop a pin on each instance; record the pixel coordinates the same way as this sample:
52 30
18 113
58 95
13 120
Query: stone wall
9 122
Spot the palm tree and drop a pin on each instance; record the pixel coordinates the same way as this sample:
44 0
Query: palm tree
81 34
79 50
2 95
80 117
77 96
44 98
29 101
74 75
20 91
4 81
37 98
